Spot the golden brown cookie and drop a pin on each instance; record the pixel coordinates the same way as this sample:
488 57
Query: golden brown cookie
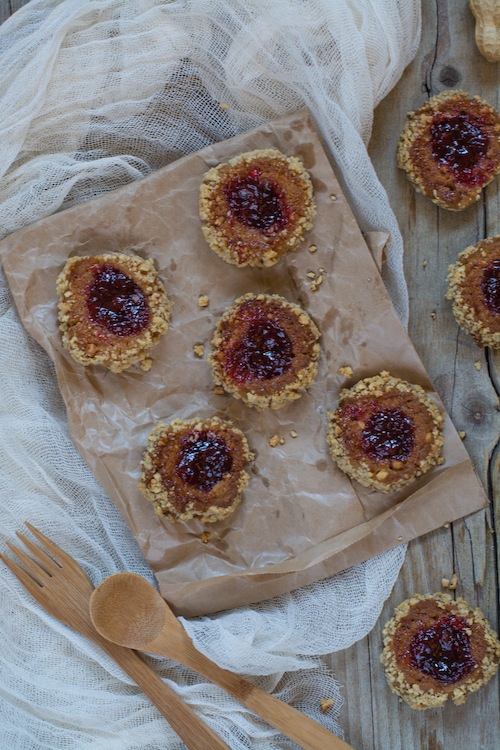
437 649
113 310
265 350
256 207
195 469
385 432
474 288
450 148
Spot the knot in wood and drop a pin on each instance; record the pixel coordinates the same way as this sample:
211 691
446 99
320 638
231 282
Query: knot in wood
449 76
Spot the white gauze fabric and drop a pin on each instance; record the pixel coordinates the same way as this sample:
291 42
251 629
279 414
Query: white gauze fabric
95 94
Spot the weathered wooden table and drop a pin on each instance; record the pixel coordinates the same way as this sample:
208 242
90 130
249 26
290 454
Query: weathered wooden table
373 718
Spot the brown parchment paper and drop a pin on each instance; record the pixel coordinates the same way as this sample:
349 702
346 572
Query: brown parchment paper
301 519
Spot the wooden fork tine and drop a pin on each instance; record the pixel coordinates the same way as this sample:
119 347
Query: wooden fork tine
27 580
59 555
45 560
33 567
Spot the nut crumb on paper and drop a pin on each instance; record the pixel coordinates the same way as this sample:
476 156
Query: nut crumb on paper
199 350
315 279
346 371
276 440
203 300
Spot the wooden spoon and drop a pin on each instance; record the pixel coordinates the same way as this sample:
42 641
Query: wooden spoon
126 609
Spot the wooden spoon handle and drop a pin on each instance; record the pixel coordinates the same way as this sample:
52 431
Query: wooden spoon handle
175 643
192 730
303 730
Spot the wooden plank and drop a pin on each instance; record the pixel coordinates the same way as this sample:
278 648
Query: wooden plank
8 7
373 718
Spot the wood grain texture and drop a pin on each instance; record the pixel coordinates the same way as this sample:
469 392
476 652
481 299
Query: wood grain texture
372 717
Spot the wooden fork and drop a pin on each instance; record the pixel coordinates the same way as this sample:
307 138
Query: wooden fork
60 585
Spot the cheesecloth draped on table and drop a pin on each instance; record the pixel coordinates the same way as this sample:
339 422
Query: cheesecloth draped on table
93 95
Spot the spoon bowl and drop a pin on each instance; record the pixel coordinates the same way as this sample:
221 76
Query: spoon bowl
126 609
132 628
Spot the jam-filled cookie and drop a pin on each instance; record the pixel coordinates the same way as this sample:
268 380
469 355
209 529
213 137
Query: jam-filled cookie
474 288
256 207
195 469
113 309
385 432
450 148
265 350
437 649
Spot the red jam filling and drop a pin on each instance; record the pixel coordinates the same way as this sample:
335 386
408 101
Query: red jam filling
388 434
263 352
257 202
204 459
490 286
116 302
459 142
442 651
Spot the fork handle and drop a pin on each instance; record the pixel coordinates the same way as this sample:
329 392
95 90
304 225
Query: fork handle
182 718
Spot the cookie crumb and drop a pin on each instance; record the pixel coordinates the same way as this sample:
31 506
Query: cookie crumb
198 350
205 537
325 704
312 248
433 315
477 365
293 434
453 582
445 582
333 197
274 441
219 390
462 434
224 105
203 300
446 526
346 371
424 264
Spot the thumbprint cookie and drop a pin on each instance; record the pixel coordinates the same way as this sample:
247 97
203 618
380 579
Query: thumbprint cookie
112 309
474 288
265 351
256 207
195 469
385 432
450 148
438 649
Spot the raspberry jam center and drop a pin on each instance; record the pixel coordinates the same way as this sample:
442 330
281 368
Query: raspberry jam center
388 433
116 302
490 286
459 142
257 202
263 352
442 651
204 459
